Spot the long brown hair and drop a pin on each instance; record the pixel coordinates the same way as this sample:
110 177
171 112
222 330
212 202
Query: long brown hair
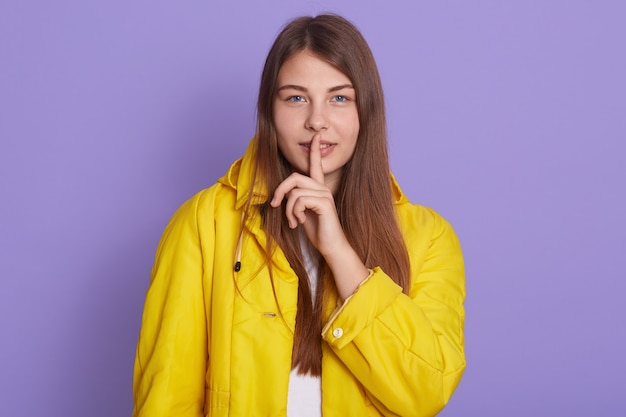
364 197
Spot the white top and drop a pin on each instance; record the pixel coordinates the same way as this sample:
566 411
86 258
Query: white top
305 392
305 396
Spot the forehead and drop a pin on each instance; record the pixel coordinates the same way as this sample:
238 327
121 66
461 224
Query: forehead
307 69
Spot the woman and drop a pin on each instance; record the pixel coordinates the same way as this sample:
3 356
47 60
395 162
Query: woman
304 282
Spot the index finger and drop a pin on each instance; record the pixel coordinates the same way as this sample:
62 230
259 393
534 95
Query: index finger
316 171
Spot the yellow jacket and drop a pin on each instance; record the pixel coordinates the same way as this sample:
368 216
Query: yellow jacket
213 343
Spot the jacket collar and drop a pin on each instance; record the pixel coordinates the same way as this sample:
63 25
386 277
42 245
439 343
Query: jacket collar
239 178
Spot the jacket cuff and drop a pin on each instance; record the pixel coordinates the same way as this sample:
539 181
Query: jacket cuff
359 310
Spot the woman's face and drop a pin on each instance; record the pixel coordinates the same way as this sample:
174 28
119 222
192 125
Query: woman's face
314 97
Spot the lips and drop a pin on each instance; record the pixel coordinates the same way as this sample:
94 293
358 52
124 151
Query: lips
322 145
325 148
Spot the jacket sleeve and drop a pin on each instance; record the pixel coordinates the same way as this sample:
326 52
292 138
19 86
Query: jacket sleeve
407 350
171 358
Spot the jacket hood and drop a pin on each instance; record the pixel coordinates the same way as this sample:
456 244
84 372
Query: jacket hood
240 174
239 178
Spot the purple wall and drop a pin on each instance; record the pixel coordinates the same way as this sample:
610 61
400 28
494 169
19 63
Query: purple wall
509 119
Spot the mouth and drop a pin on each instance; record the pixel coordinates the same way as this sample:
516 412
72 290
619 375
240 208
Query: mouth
322 145
326 148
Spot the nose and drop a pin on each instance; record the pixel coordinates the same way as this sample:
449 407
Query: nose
317 119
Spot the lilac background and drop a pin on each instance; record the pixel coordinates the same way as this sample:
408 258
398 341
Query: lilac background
506 117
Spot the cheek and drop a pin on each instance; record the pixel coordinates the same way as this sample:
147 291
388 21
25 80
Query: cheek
353 127
283 133
279 115
284 122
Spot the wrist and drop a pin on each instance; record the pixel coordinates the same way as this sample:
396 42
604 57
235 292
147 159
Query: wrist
348 270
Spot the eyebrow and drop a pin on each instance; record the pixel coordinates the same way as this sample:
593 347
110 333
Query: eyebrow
304 89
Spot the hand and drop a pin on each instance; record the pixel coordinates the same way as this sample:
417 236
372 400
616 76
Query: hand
311 204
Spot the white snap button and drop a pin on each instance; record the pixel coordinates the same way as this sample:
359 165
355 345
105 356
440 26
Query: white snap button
338 332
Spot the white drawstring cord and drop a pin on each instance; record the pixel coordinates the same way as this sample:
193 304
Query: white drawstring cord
237 267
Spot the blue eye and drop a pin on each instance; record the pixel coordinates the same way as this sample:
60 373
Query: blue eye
296 99
340 99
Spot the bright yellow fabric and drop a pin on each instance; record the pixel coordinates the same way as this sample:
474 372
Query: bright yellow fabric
210 347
